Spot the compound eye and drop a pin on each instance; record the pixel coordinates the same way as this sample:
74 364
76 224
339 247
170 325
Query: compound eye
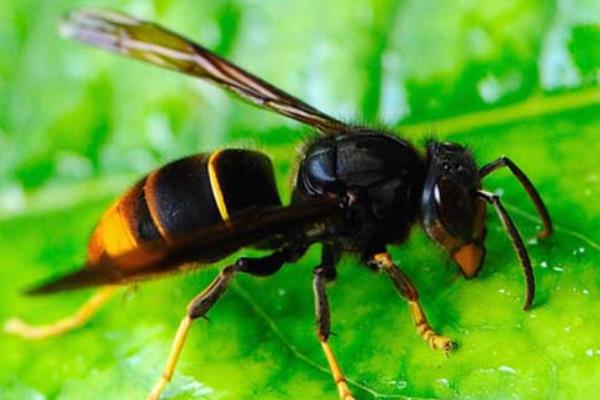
462 216
456 208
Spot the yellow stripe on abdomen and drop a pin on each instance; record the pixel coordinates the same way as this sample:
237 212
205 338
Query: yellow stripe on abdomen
215 185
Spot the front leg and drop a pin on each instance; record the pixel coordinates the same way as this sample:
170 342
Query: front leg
404 286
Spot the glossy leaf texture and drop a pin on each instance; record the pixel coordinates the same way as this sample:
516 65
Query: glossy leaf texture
77 126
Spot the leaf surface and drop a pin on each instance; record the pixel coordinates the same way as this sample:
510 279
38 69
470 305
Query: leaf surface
77 126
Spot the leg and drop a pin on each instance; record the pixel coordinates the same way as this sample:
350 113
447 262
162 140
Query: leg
203 302
407 290
322 274
529 188
16 326
517 243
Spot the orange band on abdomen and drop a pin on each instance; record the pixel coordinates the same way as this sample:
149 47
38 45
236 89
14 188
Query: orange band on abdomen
113 235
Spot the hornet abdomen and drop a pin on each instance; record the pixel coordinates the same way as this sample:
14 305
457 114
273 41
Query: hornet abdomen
183 196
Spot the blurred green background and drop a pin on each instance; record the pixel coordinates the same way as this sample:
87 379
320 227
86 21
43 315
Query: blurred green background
77 126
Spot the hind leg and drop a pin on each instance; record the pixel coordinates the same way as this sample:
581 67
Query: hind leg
18 327
204 301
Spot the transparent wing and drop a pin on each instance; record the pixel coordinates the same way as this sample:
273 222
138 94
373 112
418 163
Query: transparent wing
152 43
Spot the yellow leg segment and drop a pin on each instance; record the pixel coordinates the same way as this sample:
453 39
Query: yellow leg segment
336 371
196 309
406 288
176 348
437 342
18 327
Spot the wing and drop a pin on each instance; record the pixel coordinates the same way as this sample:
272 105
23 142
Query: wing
205 246
152 43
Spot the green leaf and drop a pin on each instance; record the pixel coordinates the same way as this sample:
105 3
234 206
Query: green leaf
78 126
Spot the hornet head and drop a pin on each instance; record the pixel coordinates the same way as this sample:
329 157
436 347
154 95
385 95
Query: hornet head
452 212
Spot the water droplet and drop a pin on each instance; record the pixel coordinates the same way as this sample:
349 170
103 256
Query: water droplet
592 352
506 368
544 264
585 292
558 269
399 384
443 381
